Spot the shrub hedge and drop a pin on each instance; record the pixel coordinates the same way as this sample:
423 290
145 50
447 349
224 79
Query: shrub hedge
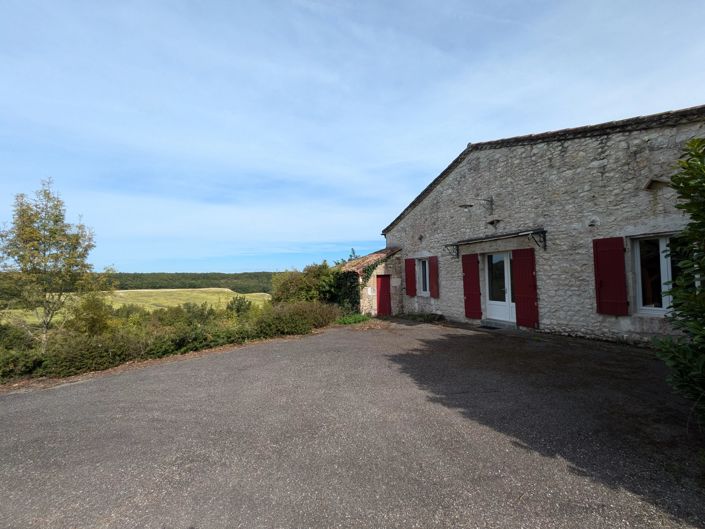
104 337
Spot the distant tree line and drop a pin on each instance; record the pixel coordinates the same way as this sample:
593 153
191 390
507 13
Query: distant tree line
244 283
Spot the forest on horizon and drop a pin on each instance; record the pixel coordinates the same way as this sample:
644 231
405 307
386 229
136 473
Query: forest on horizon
242 282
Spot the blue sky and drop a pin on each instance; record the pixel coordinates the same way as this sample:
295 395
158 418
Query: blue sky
265 135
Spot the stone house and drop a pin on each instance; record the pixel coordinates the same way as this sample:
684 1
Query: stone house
378 272
563 231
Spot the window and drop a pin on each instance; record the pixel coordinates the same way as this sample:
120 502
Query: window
496 276
654 274
421 273
423 280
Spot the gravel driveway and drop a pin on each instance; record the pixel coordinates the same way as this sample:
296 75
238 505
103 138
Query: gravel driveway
403 426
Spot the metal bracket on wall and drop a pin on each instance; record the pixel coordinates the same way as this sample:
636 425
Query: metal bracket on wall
539 238
538 235
452 250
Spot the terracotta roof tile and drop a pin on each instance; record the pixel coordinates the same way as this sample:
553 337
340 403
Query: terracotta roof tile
359 264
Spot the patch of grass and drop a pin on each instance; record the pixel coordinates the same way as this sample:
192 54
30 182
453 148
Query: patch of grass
14 315
152 299
351 319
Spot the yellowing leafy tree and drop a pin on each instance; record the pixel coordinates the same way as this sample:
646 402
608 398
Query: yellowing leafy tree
43 257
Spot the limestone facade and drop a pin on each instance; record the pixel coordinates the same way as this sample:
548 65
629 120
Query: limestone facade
572 186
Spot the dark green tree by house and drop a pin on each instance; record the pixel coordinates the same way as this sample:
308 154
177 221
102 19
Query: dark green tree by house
685 356
319 282
315 283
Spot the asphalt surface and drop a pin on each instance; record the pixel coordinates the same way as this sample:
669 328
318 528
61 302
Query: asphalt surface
408 426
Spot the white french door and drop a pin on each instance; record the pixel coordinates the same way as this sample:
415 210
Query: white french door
499 299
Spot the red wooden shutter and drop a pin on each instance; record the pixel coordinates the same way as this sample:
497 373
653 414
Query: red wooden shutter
433 276
610 276
524 287
471 286
410 272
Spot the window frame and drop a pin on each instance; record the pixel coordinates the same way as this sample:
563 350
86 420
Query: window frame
666 270
421 277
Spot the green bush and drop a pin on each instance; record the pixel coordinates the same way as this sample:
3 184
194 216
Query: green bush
188 314
294 286
15 364
685 356
72 353
317 314
687 371
13 338
130 333
129 311
276 322
91 315
346 291
351 319
195 314
239 306
294 318
317 282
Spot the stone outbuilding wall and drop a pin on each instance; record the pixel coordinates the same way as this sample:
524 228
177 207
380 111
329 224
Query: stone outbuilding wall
368 292
383 262
568 188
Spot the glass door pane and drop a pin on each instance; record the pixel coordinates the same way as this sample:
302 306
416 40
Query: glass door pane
496 277
650 264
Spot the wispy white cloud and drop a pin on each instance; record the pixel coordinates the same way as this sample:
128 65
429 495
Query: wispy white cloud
173 125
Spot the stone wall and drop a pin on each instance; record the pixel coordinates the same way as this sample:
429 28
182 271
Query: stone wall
577 189
368 293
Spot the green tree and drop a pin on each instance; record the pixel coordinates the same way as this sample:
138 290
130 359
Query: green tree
351 257
239 305
685 356
315 283
91 314
44 256
319 282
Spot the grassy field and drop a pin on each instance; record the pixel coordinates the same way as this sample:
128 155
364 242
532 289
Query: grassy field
161 298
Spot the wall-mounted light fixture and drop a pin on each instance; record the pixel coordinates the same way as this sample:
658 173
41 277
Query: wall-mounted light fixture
488 204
